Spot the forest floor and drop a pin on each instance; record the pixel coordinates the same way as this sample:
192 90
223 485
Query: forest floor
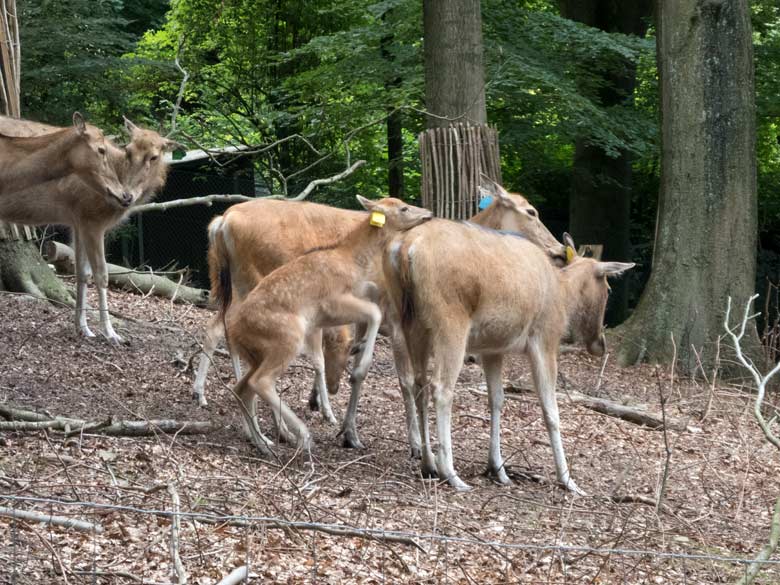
722 474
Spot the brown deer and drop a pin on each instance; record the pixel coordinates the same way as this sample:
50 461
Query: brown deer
286 310
81 150
265 234
458 288
88 211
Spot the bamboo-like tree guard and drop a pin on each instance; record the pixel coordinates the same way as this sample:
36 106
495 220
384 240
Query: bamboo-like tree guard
452 160
10 61
10 71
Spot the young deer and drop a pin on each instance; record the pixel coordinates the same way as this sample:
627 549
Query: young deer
258 237
88 211
461 288
284 313
261 239
81 150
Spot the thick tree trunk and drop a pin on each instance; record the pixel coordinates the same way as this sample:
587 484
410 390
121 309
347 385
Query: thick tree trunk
705 249
599 204
395 143
23 270
454 70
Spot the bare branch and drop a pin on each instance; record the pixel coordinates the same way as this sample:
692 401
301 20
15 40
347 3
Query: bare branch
180 95
225 198
319 182
206 200
63 521
767 551
761 380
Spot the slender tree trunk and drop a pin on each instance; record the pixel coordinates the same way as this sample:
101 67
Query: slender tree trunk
705 249
600 200
454 69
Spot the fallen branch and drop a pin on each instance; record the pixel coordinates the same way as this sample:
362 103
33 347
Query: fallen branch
64 260
632 414
62 521
178 567
332 530
25 420
637 499
235 576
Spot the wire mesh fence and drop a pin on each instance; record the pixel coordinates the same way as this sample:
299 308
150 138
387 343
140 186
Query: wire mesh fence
285 550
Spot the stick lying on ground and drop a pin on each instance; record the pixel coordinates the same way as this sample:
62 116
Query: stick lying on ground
632 414
26 420
56 520
64 260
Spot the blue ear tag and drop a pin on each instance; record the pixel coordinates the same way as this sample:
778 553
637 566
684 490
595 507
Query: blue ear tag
485 202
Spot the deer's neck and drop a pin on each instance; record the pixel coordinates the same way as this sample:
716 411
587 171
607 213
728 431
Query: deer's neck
365 243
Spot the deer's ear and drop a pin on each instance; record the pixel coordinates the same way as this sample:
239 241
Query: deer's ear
171 145
613 268
129 126
79 123
366 203
502 196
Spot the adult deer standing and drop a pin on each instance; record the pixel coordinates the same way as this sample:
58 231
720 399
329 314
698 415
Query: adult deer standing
264 234
89 211
461 288
286 310
81 150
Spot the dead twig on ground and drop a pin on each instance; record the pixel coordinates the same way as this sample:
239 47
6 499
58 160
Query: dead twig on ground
25 420
178 568
62 521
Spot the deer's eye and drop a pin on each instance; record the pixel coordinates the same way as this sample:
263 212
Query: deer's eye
101 150
532 212
404 209
153 158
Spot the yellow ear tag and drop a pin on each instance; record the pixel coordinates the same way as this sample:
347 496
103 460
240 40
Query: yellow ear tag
570 254
377 219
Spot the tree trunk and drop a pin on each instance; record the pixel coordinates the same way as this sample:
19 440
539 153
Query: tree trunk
395 142
705 249
395 155
454 71
600 200
22 270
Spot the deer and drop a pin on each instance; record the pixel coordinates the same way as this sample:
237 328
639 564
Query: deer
284 313
265 234
458 287
90 212
80 150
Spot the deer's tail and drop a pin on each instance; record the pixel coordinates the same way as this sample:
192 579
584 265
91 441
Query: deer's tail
219 268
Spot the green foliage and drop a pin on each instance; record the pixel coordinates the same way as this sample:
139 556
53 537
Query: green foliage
71 49
330 72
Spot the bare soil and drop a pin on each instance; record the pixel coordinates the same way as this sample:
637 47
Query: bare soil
722 484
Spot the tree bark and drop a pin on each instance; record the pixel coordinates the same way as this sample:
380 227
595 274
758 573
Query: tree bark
705 249
395 143
23 270
454 69
600 199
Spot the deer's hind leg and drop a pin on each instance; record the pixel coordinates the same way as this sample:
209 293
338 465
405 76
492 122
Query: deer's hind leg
319 396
